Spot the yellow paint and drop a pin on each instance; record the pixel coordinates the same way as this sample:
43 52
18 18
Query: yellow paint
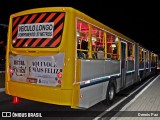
105 43
76 87
90 42
69 92
119 51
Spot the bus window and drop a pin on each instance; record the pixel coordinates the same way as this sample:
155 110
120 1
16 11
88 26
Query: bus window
82 39
140 54
97 43
147 59
34 33
130 51
112 46
153 60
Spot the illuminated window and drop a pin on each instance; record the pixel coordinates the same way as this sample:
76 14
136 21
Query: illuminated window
130 51
112 46
147 59
82 39
141 56
97 43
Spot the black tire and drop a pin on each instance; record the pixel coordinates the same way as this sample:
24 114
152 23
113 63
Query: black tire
110 95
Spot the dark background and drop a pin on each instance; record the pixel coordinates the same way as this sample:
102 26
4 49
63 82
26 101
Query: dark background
138 20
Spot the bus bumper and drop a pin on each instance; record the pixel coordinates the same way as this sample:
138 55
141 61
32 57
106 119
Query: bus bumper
46 94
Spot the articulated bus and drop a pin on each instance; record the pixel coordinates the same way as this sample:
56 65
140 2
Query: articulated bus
61 56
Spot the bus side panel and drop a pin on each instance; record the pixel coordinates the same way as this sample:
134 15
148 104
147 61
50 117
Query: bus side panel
93 94
96 72
141 69
99 68
130 76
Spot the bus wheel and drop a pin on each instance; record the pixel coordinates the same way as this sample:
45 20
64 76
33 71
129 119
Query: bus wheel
110 95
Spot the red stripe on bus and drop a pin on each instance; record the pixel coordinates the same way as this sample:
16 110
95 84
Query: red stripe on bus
15 21
54 33
50 17
15 30
29 21
18 44
27 42
37 21
58 29
58 18
36 42
31 18
40 18
56 42
45 42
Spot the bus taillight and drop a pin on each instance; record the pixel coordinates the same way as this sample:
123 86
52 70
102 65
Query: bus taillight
59 81
10 71
59 75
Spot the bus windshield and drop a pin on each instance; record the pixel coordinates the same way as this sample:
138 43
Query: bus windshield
38 30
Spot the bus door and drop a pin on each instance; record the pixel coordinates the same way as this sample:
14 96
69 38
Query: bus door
123 64
136 62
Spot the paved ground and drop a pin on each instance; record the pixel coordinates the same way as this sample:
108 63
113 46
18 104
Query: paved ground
145 106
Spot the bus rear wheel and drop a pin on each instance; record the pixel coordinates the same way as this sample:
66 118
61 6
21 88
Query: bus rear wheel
110 95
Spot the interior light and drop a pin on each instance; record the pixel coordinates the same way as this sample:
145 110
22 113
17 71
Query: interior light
113 45
94 38
77 34
116 39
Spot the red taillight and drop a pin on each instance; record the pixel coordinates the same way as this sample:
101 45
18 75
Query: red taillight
10 70
59 81
59 75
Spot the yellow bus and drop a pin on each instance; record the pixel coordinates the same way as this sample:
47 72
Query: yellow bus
59 55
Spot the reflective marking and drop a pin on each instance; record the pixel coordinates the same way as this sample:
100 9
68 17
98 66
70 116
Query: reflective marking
98 80
33 41
131 71
141 69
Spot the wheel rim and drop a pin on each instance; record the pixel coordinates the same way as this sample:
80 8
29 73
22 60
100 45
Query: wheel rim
111 93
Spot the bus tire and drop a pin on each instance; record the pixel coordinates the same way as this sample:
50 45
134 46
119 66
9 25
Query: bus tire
110 94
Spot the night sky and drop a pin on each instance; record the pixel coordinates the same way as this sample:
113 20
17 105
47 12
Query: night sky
139 21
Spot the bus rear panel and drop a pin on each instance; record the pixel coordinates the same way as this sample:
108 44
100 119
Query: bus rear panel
35 57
